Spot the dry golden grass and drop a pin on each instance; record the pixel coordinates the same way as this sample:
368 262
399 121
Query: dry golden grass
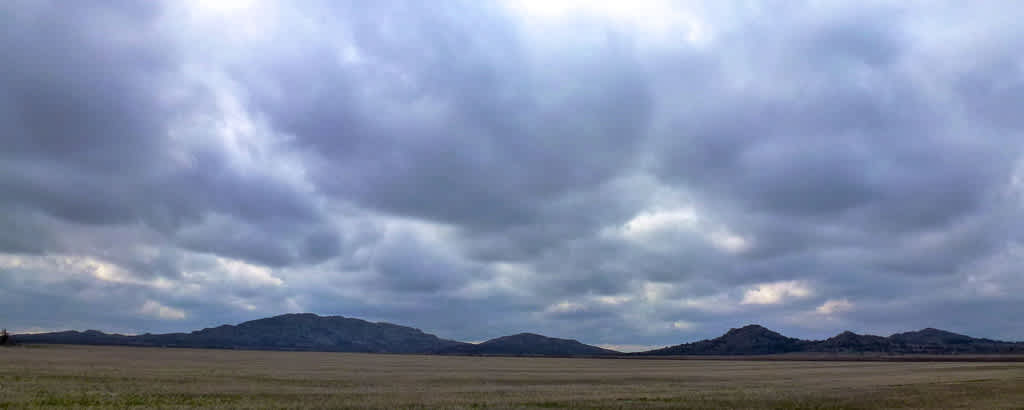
125 377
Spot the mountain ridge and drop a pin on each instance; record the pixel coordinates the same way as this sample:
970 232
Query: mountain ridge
311 332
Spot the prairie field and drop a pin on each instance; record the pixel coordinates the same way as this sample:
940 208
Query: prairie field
127 377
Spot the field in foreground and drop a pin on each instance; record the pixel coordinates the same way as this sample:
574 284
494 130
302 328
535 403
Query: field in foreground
125 377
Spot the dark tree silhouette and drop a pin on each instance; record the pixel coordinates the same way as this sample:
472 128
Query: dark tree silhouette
4 337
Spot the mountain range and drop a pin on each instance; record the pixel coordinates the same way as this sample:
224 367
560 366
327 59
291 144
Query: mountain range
757 340
310 332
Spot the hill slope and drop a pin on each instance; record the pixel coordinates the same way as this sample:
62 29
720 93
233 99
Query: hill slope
529 344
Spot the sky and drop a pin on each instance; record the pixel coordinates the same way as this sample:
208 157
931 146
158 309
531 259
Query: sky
628 174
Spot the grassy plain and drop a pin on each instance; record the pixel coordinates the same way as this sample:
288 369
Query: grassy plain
126 377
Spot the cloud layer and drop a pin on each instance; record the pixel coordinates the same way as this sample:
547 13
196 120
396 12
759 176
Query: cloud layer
641 176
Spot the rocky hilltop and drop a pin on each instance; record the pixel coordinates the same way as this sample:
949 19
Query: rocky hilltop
750 339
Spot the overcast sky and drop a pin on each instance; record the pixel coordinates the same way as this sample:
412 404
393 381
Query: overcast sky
622 172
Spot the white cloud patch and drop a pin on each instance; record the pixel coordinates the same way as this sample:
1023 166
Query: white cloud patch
61 267
651 223
658 20
776 293
614 300
834 306
155 309
729 242
683 325
655 228
655 292
719 303
565 307
242 271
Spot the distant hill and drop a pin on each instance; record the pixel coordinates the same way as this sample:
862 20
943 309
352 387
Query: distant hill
747 340
529 344
305 331
931 340
757 340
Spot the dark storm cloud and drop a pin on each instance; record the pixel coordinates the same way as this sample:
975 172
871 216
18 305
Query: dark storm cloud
78 104
25 232
70 71
405 263
481 169
463 126
89 105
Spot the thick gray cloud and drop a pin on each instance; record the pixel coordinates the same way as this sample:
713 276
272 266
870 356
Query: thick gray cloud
645 175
